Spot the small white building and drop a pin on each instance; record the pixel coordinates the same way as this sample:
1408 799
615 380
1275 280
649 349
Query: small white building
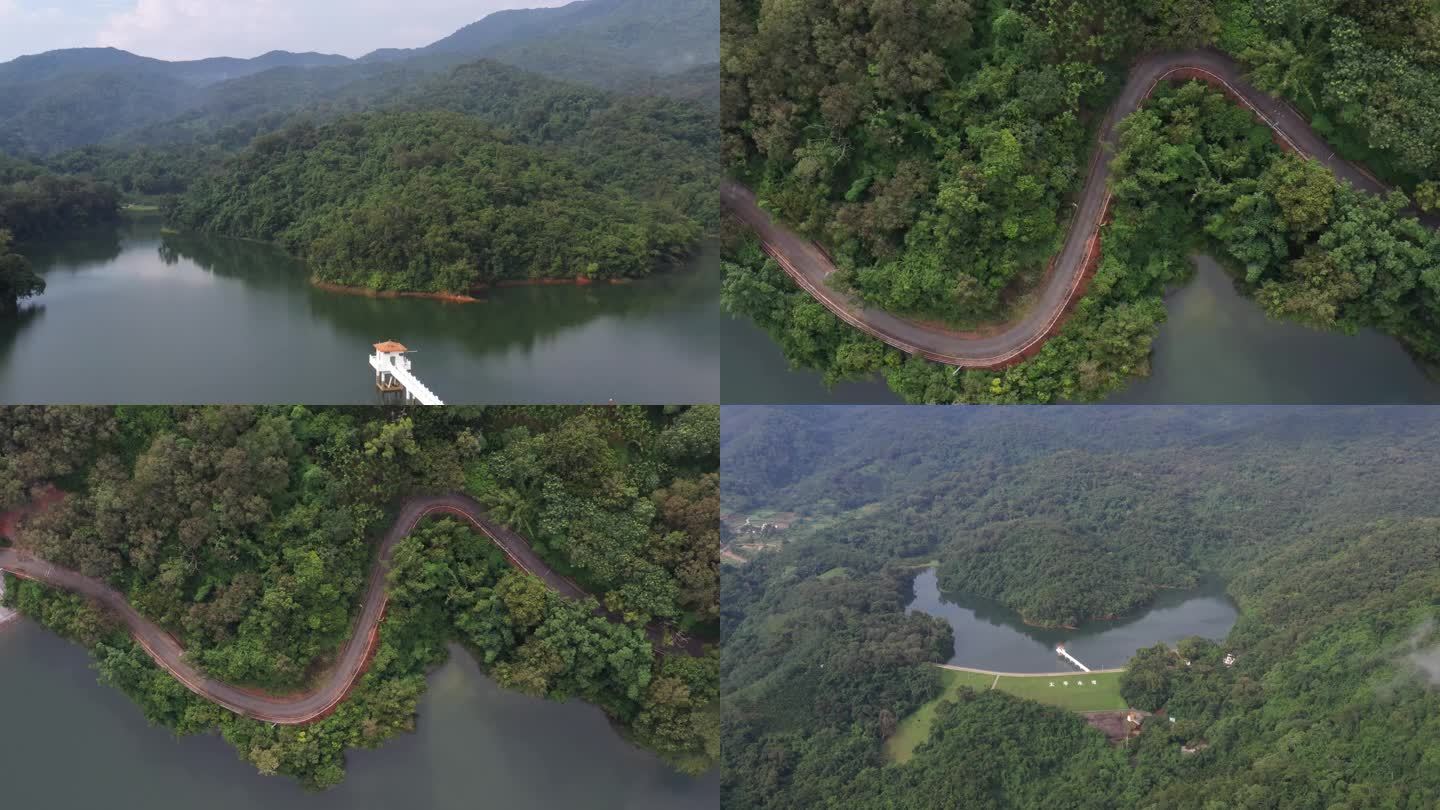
393 374
388 358
1230 659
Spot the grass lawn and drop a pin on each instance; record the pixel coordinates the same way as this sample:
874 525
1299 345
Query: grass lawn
835 572
1082 692
1074 692
915 729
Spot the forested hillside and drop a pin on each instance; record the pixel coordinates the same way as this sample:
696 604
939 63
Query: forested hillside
613 44
356 167
661 148
66 99
1321 522
934 149
249 533
431 201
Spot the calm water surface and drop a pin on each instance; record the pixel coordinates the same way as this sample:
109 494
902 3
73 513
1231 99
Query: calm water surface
991 636
755 371
1216 346
135 315
71 742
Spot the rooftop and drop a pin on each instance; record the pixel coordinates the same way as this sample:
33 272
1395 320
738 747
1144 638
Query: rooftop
390 346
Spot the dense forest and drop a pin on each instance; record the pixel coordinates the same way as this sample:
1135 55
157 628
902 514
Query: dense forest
249 533
933 149
18 281
1320 521
35 203
650 144
64 99
430 201
355 165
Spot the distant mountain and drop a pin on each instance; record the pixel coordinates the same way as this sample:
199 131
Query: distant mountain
74 109
80 61
615 44
59 100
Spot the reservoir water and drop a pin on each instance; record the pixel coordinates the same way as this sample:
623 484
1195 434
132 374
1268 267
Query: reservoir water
1216 346
989 635
71 742
138 315
754 371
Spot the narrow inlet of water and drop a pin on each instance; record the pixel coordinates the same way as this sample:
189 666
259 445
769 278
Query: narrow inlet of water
70 741
989 635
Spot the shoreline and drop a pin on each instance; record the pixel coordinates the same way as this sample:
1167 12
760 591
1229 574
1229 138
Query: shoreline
345 289
7 614
466 298
350 663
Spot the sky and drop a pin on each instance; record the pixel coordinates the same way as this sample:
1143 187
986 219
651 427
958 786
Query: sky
195 29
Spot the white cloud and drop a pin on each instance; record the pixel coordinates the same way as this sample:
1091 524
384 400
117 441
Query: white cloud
35 27
194 29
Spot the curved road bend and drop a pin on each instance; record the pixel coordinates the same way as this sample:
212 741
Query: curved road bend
354 655
1064 283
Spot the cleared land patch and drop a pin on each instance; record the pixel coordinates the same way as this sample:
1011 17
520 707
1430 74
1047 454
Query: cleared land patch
1078 692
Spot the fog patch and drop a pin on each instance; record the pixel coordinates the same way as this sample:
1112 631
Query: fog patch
1422 650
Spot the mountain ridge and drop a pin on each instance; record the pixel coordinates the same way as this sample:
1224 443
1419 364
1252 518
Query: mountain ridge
504 28
69 98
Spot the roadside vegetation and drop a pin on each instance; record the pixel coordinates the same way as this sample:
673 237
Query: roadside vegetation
248 533
933 150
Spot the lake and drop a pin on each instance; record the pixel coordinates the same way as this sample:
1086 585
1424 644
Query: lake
989 635
1216 346
753 370
71 742
136 315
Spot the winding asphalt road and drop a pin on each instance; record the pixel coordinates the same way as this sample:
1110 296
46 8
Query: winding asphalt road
354 655
1065 281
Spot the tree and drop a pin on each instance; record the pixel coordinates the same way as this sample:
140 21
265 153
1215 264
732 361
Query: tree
17 280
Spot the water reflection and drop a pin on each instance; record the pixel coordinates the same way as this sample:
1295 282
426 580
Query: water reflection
11 327
475 746
1216 345
1219 346
989 635
153 316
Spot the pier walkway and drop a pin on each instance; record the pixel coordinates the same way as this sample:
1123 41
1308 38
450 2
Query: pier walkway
393 374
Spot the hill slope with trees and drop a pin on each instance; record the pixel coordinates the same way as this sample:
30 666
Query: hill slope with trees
443 171
70 98
431 201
